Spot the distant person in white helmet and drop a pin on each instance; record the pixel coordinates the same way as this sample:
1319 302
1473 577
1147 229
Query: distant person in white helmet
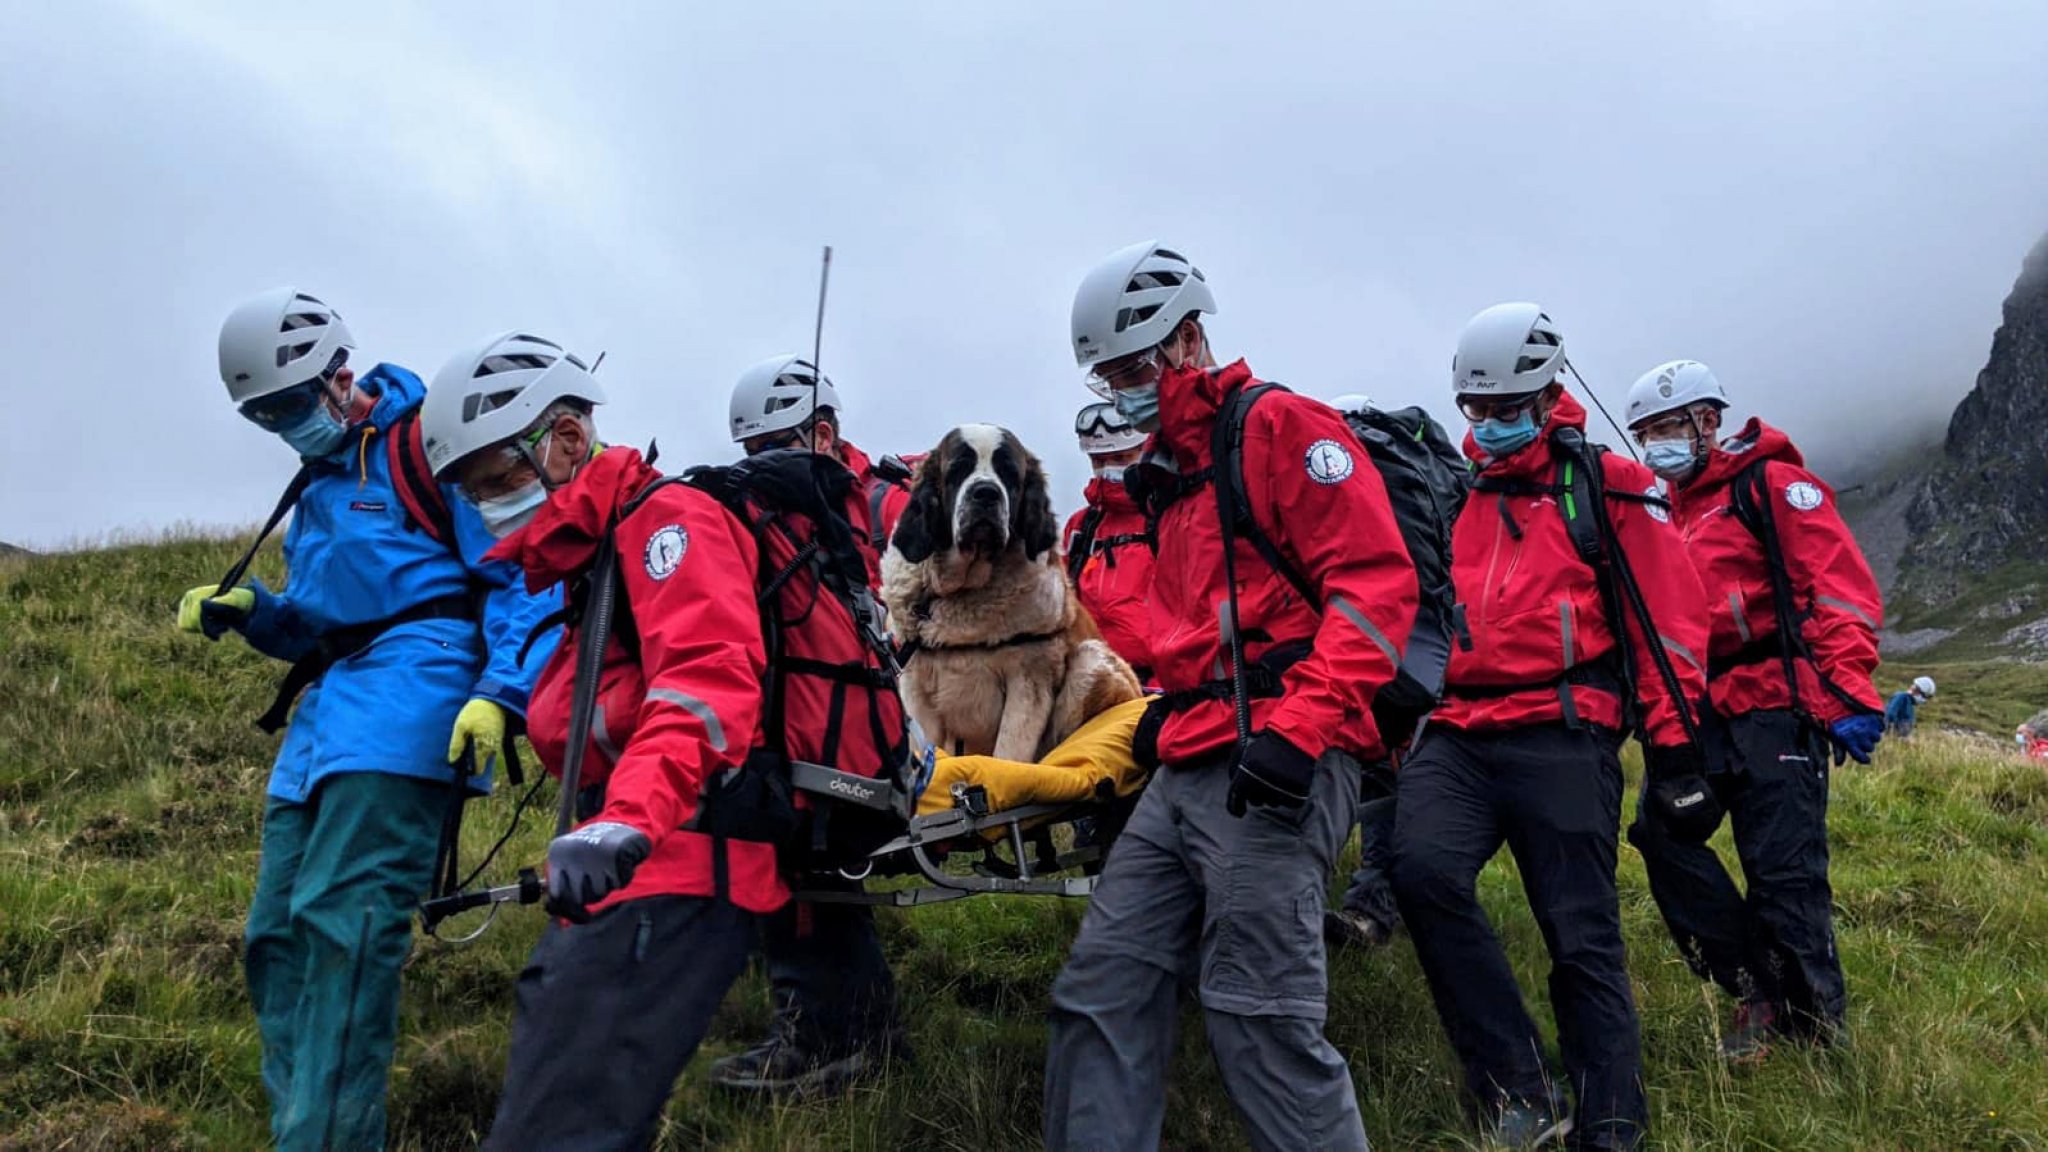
782 402
1218 879
1902 711
1579 621
833 996
404 643
1108 544
1795 613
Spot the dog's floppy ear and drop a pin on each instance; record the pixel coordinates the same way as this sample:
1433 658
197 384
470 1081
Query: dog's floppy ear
1031 515
925 527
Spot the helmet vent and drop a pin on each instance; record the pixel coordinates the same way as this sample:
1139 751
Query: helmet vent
514 362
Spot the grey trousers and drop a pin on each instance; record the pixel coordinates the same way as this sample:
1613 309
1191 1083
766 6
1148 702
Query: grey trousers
1233 906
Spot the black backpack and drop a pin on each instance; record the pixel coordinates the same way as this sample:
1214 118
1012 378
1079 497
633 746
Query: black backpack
850 813
1426 479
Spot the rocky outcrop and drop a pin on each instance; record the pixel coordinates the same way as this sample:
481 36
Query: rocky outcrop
1985 504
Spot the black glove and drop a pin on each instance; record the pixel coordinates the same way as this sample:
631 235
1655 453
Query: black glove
1271 771
1678 788
591 863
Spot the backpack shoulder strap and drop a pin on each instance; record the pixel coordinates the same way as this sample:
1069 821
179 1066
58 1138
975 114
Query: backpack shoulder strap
1084 541
1750 501
425 505
1578 490
878 532
1227 450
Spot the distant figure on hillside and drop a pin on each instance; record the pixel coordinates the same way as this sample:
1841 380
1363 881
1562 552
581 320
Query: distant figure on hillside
404 646
1900 713
2033 736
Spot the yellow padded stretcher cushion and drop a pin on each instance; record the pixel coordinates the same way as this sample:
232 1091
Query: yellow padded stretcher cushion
1075 770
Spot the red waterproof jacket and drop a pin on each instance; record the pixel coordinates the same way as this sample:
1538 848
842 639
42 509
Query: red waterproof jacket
1837 596
871 495
1322 504
1115 579
689 704
1530 611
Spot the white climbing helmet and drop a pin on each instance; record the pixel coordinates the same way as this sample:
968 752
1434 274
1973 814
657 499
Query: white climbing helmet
276 340
1133 300
1101 428
1672 387
1352 403
1507 350
1925 686
496 390
776 395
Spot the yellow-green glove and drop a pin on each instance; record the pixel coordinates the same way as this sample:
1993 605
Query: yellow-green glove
203 612
482 724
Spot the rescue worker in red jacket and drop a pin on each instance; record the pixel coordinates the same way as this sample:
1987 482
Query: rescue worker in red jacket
1218 878
1524 749
1774 949
834 998
615 1000
1107 544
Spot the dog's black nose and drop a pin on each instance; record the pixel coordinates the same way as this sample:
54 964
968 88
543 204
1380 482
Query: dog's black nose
984 494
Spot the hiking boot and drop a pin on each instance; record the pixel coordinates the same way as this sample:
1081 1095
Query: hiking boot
1531 1123
1344 929
781 1066
1756 1026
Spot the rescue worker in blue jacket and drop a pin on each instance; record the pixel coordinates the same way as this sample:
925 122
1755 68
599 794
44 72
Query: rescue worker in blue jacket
404 647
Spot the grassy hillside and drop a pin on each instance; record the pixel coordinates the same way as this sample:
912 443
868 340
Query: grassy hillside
130 785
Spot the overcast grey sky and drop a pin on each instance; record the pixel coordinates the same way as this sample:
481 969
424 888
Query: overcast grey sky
1824 200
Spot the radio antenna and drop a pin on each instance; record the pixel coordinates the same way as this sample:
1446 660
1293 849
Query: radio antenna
818 344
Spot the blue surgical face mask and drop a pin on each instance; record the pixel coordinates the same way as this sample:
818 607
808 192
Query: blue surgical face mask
316 436
1139 406
504 515
1503 438
1671 459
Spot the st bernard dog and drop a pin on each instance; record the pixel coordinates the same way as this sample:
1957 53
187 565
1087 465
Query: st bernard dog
1002 659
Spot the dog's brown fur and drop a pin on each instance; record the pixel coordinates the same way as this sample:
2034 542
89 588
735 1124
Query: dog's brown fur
1007 662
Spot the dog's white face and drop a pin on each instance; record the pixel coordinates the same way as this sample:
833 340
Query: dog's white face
979 493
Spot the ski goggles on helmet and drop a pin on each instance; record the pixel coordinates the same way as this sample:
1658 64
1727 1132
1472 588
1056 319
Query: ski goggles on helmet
1100 420
289 406
1478 408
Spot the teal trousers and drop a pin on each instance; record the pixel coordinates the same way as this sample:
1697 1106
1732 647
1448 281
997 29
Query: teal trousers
328 932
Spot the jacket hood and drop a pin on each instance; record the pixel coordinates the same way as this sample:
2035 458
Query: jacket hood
1756 441
1109 497
563 537
1189 399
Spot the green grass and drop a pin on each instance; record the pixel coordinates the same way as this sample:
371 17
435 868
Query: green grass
130 789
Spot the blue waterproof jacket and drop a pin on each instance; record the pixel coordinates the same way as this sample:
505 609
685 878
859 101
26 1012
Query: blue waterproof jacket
350 559
1900 712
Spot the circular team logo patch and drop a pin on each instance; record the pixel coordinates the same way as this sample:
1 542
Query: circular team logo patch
1329 462
665 551
1657 511
1803 496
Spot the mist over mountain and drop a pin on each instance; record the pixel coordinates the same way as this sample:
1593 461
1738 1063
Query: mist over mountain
1983 506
